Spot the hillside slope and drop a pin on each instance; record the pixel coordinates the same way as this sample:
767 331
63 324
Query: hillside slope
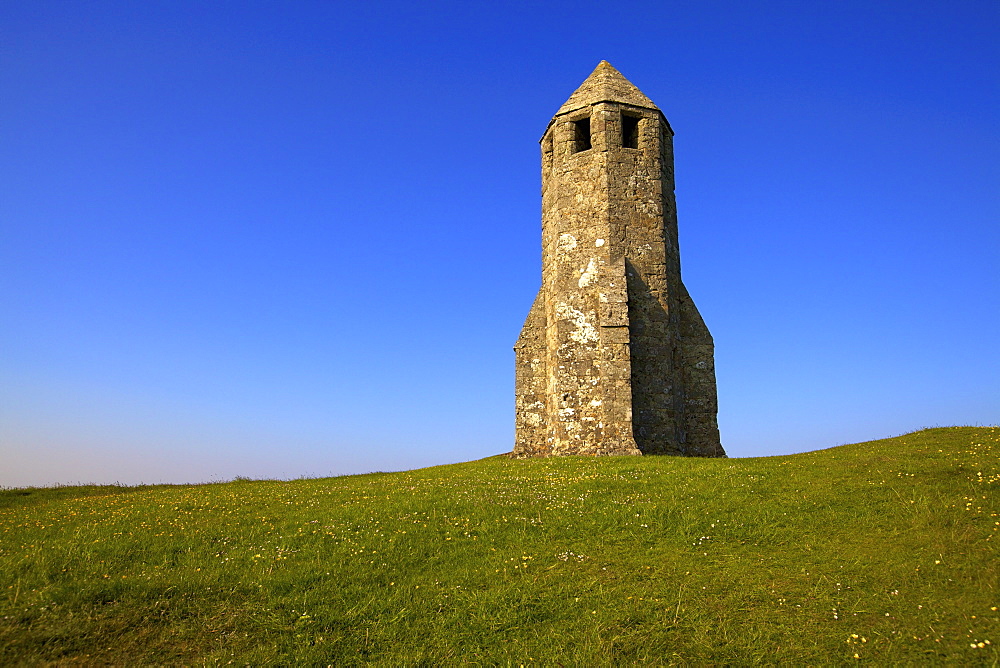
884 551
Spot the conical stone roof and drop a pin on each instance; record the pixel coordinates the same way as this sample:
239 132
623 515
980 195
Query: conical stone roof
605 84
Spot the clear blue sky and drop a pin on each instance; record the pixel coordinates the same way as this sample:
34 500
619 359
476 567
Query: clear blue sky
276 239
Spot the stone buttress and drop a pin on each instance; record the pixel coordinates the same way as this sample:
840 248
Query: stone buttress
613 358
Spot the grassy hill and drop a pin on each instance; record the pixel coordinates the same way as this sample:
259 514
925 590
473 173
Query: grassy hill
884 552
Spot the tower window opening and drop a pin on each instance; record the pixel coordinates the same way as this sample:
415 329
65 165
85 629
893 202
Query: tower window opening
581 135
630 131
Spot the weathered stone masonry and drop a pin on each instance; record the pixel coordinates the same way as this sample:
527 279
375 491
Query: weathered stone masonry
613 357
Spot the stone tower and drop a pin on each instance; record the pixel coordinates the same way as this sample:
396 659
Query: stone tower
614 358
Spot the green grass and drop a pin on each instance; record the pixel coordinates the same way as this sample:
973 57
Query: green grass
886 551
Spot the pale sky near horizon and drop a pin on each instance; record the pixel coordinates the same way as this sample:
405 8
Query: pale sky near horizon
282 239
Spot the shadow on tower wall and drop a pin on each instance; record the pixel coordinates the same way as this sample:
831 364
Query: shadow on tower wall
657 397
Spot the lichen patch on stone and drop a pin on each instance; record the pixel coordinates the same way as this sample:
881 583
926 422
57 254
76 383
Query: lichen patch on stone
588 275
567 242
585 332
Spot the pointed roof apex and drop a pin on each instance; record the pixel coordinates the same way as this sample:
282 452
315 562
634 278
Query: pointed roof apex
605 84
